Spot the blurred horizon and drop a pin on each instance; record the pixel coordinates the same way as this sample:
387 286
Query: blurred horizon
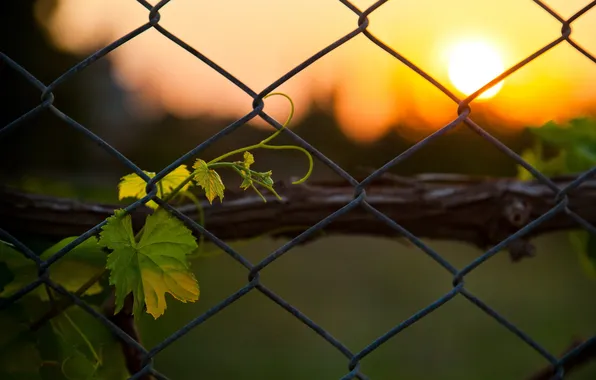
260 41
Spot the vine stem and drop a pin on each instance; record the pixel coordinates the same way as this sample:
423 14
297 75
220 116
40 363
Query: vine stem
261 145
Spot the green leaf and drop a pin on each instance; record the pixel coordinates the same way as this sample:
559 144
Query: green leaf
581 157
576 140
133 186
246 183
576 131
555 166
71 271
79 357
76 267
209 180
19 356
82 348
153 266
6 276
16 270
78 367
246 174
584 243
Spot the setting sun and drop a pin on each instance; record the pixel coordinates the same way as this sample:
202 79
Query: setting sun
367 90
474 64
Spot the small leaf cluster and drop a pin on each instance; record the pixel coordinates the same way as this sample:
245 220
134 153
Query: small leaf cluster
566 149
155 260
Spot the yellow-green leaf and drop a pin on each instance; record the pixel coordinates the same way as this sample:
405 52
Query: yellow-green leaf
246 183
133 186
249 159
246 179
154 265
209 180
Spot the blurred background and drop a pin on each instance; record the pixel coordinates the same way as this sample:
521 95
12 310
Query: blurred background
153 102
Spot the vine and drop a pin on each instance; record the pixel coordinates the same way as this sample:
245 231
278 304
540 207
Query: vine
149 263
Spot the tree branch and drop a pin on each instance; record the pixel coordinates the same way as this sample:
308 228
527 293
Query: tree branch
583 357
479 211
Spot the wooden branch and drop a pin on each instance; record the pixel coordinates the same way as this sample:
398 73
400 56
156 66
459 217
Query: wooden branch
479 211
585 356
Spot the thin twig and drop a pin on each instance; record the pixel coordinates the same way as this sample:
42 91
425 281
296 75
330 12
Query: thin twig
479 211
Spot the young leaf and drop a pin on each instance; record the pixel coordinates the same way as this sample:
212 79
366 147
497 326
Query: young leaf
246 182
209 180
246 176
133 186
155 265
249 159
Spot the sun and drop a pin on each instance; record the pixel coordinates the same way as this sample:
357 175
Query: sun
474 64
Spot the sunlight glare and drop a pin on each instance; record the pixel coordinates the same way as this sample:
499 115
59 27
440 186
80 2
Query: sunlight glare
474 64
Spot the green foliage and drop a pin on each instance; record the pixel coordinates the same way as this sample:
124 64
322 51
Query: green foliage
151 266
16 343
574 148
19 270
72 271
84 349
71 344
155 261
575 145
75 268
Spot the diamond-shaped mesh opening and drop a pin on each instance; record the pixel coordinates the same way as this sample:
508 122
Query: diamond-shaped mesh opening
245 347
455 333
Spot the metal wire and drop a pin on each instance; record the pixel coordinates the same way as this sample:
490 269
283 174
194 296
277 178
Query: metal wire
360 199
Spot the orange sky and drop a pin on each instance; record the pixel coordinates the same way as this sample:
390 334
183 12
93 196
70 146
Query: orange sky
259 40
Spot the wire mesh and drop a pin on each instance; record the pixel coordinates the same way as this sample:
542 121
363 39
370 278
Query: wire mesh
359 200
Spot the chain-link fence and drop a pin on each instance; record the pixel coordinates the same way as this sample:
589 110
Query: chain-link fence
359 200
